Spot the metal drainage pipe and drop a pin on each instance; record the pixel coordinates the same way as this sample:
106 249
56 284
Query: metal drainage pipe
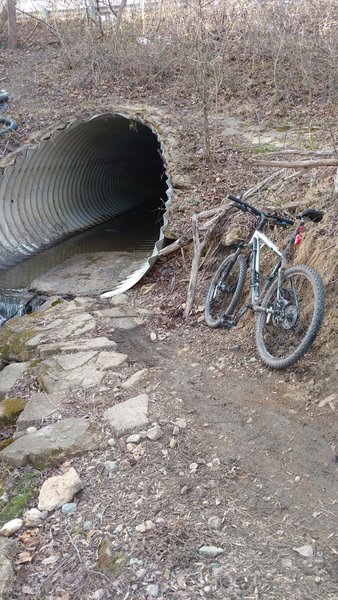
83 175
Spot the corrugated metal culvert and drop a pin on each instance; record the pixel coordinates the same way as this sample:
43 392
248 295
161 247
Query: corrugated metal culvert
83 175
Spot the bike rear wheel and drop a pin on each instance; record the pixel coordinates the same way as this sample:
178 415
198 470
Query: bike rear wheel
285 333
225 290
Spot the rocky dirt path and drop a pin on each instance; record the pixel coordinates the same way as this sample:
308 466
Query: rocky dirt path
193 470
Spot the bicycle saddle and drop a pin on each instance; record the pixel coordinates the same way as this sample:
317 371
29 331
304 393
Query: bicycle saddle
312 214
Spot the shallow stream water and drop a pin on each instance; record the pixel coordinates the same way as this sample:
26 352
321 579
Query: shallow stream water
132 236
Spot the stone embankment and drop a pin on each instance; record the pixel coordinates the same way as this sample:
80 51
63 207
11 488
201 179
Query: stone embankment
57 347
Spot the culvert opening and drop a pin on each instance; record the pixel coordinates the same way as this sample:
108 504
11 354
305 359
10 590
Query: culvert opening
96 190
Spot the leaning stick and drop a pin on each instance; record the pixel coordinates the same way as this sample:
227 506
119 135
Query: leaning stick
199 246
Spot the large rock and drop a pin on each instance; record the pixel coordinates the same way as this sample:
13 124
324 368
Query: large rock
51 444
58 490
20 338
10 375
128 415
39 408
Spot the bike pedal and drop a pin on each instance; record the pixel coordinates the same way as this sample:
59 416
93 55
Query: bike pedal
227 321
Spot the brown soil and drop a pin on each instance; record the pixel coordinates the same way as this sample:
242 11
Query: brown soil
273 485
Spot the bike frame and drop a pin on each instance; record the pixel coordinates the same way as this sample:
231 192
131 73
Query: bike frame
258 240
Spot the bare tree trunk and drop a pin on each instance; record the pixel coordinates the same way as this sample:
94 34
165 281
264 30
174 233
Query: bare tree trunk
202 74
12 29
143 17
119 15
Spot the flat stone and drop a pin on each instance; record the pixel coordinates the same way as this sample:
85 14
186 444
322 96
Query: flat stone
128 415
51 444
210 551
6 575
62 322
306 551
38 408
124 322
135 438
110 360
134 379
59 490
78 325
72 361
96 343
119 299
34 341
119 311
10 375
53 378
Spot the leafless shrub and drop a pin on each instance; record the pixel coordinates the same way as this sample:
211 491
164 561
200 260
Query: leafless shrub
238 47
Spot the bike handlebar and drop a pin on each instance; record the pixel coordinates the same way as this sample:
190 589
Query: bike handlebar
244 206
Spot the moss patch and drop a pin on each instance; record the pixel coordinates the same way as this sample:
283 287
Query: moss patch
19 495
111 562
13 342
10 408
263 149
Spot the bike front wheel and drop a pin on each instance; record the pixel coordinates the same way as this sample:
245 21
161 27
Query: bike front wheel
225 290
292 317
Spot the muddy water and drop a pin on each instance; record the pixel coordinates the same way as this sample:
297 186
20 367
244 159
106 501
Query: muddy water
132 236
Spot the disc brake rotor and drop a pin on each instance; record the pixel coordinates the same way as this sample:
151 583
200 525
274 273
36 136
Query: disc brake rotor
290 316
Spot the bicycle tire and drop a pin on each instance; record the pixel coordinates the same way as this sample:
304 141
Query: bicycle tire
301 284
216 307
11 125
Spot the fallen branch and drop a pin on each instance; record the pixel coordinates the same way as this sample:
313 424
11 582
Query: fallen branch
262 184
303 152
302 164
184 240
289 206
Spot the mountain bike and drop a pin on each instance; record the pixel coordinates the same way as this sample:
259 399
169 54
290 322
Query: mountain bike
290 307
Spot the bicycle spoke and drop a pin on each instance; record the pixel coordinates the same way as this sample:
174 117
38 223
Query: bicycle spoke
225 290
295 314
